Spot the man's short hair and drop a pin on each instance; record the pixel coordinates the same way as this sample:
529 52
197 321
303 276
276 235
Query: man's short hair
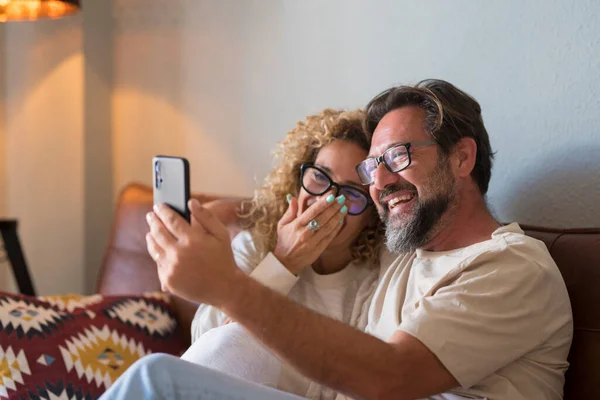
450 115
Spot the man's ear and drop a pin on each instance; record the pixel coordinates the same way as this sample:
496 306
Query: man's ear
466 152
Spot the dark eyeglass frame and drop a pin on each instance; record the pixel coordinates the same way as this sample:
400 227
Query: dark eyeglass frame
332 183
381 158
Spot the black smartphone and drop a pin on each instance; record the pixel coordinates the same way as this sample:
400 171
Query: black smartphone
171 181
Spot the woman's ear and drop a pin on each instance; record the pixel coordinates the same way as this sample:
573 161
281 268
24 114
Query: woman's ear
466 151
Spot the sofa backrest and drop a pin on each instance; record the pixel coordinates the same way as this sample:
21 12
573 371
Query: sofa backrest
577 254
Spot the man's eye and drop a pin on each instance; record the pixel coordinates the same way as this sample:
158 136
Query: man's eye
398 154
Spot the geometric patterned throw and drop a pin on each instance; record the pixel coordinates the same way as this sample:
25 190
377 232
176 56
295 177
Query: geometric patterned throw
75 347
99 355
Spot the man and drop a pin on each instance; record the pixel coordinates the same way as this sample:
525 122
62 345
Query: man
465 308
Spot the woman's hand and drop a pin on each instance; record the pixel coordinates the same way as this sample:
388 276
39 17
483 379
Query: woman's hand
297 246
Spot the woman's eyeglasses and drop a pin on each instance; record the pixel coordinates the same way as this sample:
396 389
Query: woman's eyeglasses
316 182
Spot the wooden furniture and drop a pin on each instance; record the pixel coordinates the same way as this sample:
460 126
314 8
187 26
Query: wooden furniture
13 253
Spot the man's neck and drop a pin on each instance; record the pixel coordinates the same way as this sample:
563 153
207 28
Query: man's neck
469 222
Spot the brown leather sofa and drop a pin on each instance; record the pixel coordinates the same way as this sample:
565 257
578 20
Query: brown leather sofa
127 268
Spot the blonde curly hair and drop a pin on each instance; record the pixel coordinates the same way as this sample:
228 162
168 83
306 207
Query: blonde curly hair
300 146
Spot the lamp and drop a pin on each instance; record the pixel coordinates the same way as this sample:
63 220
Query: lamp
27 10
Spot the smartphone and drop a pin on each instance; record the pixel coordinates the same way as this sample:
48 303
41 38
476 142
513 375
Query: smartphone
171 181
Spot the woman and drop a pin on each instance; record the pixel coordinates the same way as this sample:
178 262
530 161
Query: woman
325 263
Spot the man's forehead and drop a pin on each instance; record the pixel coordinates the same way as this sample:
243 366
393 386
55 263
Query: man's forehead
377 148
388 137
399 126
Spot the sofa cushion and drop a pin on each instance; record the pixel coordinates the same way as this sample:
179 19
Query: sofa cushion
76 346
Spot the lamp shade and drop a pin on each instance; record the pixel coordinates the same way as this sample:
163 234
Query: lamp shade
26 10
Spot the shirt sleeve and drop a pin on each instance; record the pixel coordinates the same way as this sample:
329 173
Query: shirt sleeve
497 310
273 274
269 272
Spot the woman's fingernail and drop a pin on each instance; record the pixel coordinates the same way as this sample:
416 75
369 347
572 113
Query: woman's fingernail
341 199
155 207
195 202
344 210
330 198
149 217
288 197
342 220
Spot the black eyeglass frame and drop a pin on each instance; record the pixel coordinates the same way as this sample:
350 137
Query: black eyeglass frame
381 158
332 183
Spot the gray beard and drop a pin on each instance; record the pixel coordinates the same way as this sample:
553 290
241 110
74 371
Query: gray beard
404 237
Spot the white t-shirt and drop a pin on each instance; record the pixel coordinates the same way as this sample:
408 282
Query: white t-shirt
496 314
342 295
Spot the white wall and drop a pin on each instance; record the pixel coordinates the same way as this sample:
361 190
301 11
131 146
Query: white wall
2 131
5 281
221 82
88 101
55 145
177 85
43 135
97 143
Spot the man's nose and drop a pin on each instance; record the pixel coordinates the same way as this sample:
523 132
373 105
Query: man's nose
382 177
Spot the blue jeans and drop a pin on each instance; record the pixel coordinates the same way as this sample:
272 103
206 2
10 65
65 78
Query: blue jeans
161 376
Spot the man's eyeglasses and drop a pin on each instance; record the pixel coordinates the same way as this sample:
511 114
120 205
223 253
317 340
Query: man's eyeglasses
316 182
395 159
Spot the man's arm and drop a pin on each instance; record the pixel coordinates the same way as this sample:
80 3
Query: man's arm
196 262
334 353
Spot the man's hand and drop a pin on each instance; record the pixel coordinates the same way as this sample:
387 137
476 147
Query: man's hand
297 246
195 261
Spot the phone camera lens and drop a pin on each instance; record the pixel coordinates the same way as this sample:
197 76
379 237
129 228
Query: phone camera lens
157 177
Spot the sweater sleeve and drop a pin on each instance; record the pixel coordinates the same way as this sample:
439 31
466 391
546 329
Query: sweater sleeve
273 274
269 272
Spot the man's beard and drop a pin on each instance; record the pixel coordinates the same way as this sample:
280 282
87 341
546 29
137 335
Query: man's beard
424 223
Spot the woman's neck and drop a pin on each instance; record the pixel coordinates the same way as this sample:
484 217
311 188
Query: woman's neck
332 260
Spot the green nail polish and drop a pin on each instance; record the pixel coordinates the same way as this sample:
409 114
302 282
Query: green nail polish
344 210
341 199
288 197
341 221
330 198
